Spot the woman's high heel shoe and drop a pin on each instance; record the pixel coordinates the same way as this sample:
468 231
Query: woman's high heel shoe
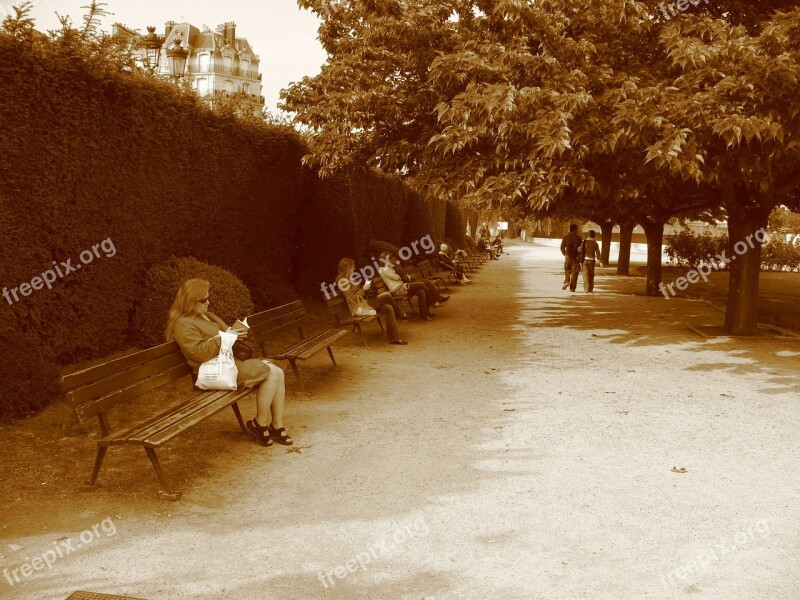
280 436
259 433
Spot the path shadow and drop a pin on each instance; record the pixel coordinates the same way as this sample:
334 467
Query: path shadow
617 312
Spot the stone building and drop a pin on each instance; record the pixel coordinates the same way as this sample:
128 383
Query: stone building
218 61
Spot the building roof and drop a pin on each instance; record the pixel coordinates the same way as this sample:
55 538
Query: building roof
212 41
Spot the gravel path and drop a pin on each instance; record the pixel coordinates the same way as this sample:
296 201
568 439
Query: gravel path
521 446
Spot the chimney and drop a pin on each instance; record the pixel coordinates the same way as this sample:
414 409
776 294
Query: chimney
231 37
168 27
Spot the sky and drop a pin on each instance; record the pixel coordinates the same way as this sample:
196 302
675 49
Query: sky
283 35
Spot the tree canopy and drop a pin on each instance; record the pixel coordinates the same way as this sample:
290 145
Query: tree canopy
616 104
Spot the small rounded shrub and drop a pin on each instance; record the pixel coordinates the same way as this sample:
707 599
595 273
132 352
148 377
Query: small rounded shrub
268 290
229 297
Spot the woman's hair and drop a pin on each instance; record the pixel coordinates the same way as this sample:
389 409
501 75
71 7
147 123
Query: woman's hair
344 266
190 292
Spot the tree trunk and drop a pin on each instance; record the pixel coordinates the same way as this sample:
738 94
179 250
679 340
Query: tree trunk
744 252
624 258
655 240
472 220
607 231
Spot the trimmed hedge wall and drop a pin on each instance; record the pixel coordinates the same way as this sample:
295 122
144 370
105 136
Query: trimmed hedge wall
90 155
345 213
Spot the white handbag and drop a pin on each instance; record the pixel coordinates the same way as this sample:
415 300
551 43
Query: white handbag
220 372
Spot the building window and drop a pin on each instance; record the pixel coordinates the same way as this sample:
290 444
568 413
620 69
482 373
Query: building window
204 63
202 86
246 88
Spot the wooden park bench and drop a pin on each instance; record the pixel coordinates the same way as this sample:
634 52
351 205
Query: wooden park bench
436 275
379 285
338 308
93 392
292 314
475 254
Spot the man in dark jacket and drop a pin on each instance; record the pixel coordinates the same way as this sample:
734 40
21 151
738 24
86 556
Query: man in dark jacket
570 248
590 254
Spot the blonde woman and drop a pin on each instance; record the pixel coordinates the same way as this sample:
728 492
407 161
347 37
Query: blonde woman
197 332
383 303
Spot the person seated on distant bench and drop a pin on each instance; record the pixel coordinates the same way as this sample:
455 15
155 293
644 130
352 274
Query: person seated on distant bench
498 243
447 263
485 246
383 303
408 275
197 332
400 286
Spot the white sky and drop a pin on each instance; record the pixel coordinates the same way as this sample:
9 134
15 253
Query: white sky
283 35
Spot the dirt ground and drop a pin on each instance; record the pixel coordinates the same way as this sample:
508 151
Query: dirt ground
521 446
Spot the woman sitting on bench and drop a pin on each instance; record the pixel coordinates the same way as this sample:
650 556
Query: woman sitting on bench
383 303
197 332
426 293
485 246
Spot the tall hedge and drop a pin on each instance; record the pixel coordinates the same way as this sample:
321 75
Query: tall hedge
88 155
344 213
455 224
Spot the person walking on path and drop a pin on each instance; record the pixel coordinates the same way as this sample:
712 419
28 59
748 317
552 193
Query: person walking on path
590 252
570 248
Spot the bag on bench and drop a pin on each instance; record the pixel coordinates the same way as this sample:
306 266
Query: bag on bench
220 373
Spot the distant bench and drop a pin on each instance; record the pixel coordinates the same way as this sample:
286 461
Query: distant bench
379 285
340 311
294 313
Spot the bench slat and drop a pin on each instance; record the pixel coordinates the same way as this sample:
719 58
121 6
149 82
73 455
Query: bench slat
201 409
278 311
85 376
176 414
198 417
121 435
305 349
276 318
105 403
324 343
301 345
101 387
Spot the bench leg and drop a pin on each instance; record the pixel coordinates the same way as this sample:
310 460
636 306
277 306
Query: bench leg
238 413
330 353
98 462
165 493
297 374
357 327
